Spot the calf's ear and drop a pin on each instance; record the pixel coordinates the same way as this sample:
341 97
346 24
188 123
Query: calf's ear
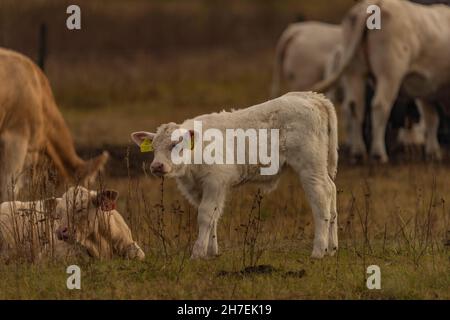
139 136
106 200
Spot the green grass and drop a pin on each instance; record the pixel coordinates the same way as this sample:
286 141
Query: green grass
340 277
407 228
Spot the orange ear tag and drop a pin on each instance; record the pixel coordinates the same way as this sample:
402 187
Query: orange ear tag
108 205
146 145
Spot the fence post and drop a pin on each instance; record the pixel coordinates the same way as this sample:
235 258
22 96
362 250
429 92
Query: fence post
42 54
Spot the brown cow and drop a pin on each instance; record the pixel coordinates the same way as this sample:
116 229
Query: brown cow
32 125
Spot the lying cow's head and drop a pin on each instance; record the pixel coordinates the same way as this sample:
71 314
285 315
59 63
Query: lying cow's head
162 144
78 209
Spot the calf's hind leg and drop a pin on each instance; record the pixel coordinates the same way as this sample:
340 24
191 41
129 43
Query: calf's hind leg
333 236
319 193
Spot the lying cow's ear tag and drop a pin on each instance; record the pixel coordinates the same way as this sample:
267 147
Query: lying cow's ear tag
107 205
146 145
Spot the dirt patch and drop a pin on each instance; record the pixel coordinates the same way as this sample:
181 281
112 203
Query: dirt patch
262 269
295 274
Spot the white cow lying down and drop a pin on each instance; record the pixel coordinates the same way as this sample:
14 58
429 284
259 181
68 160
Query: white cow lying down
27 229
307 142
88 218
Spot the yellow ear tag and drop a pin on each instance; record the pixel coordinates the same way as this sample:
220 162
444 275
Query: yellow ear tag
192 141
146 145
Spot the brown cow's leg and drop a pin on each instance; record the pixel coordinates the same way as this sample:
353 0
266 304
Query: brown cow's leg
13 150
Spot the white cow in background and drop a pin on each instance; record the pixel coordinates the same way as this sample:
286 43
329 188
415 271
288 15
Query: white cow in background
411 51
308 143
308 52
304 55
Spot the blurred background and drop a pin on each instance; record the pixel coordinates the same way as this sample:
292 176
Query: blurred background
138 63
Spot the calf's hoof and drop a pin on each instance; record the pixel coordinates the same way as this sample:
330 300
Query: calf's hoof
332 251
197 256
211 256
318 253
198 252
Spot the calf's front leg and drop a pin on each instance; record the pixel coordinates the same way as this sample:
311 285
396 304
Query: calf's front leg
213 247
209 211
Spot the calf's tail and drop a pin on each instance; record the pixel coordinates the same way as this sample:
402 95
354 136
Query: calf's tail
332 139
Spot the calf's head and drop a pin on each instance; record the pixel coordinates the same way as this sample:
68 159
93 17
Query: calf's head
169 140
78 212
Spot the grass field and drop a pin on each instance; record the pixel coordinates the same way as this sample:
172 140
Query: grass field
395 216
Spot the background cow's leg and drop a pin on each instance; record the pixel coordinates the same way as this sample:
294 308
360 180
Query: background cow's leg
354 84
208 213
13 150
29 171
431 118
387 87
345 119
388 63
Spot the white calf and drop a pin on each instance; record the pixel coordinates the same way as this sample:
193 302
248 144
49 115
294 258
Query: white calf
307 142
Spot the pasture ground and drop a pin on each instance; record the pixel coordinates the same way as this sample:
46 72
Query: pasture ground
394 217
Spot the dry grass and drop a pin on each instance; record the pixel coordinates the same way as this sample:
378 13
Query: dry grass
394 217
